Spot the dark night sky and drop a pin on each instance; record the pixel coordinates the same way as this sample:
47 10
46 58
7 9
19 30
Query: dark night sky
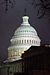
13 18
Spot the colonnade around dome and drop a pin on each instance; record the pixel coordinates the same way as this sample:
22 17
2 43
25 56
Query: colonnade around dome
30 41
15 52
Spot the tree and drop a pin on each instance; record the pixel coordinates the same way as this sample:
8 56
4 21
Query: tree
43 7
7 2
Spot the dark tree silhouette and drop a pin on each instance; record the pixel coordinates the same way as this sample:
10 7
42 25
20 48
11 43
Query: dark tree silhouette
7 2
43 8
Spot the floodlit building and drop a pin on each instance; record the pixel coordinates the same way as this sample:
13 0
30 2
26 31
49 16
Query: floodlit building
24 37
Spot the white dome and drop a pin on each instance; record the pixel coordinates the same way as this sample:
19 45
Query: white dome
24 37
27 30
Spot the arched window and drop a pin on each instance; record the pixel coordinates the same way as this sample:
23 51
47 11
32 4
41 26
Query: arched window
19 52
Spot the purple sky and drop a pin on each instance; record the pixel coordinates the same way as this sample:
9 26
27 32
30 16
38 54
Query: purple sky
13 18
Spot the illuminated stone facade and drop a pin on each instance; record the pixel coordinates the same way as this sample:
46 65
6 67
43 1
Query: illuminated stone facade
24 37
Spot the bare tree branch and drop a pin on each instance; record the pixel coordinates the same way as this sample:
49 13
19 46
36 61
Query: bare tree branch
7 2
44 7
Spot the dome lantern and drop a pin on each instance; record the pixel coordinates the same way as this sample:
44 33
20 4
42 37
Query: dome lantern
25 18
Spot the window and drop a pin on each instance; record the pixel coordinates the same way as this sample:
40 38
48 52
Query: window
17 41
27 41
24 20
36 42
22 41
22 52
10 53
32 41
19 52
15 53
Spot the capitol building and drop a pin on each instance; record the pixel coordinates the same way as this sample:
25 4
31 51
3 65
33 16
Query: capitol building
24 37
